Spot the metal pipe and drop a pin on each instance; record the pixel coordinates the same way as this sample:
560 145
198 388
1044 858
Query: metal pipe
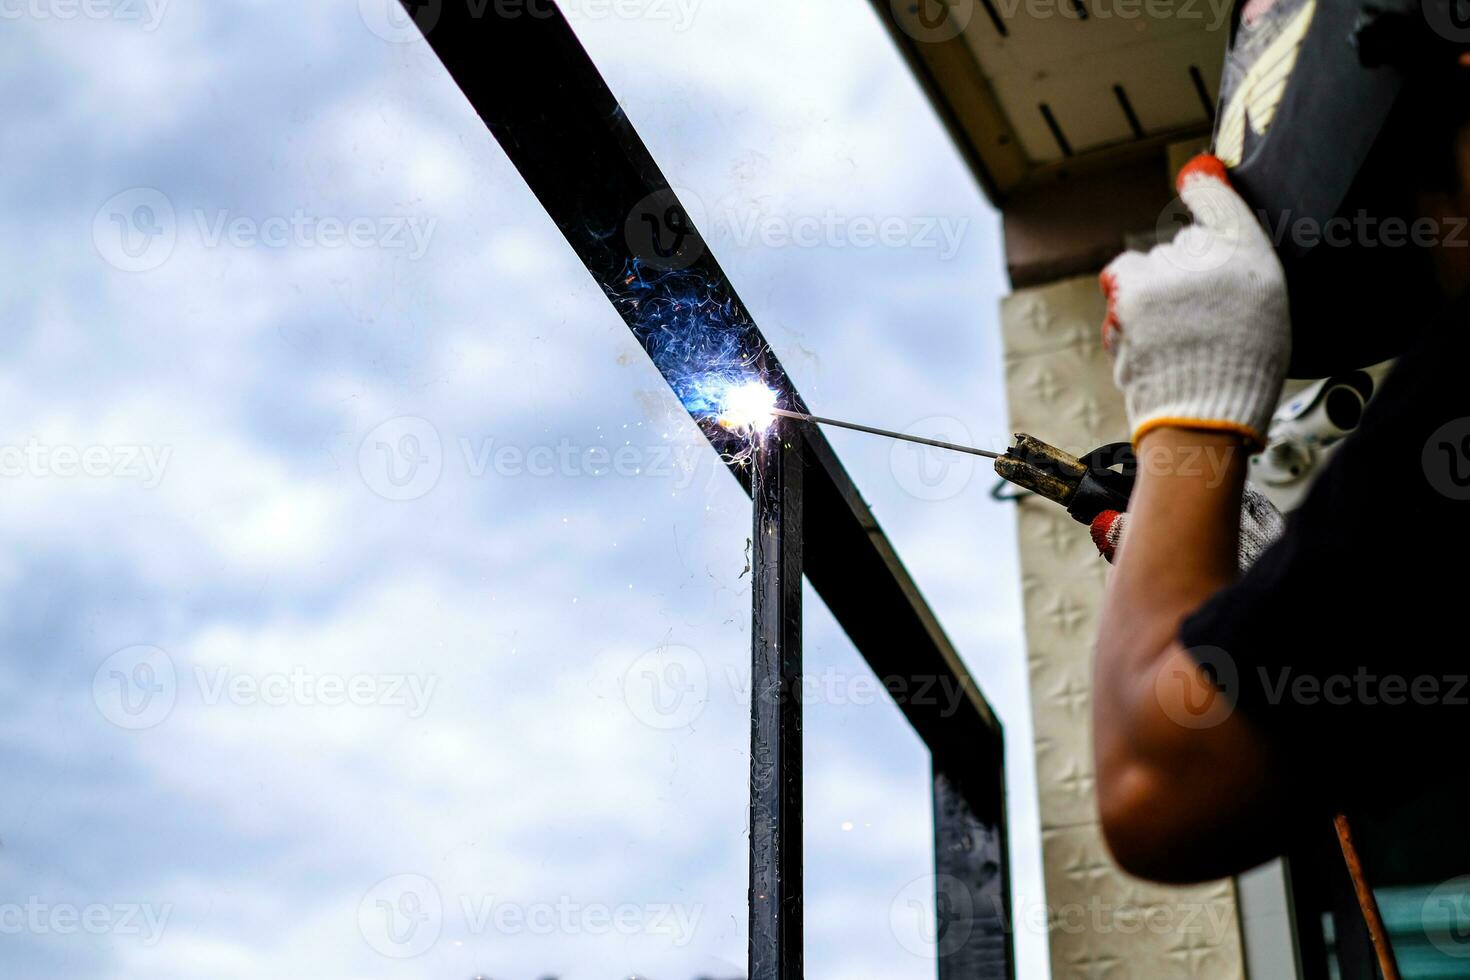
936 443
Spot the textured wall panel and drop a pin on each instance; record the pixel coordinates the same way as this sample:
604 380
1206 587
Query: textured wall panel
1103 924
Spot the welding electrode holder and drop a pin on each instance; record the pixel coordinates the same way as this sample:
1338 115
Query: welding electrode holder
1101 480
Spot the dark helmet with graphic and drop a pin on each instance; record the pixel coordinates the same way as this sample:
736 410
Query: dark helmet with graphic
1320 122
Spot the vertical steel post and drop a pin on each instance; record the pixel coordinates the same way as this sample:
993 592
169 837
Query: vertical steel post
775 708
972 914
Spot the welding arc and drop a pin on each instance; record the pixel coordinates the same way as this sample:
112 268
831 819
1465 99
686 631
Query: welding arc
802 416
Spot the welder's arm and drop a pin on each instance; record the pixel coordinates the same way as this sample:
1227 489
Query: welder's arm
1199 332
1187 789
1260 525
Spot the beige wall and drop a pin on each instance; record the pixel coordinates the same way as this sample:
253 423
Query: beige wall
1103 923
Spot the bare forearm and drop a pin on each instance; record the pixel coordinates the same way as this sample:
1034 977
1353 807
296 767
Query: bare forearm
1183 534
1180 790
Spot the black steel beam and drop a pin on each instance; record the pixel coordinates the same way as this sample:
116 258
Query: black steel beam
775 708
972 894
525 73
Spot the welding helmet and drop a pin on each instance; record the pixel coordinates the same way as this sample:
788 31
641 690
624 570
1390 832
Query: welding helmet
1307 103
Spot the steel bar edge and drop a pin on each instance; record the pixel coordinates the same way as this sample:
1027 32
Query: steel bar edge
536 89
775 707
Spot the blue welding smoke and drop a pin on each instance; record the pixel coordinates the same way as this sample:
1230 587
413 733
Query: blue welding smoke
696 332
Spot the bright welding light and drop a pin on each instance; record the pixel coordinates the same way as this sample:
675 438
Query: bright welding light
747 407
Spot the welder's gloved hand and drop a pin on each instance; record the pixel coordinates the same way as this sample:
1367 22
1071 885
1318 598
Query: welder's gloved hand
1198 326
1260 524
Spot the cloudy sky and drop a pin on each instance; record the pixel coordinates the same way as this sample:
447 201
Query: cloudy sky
373 608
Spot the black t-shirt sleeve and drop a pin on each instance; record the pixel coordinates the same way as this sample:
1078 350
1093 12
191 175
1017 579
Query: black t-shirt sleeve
1345 641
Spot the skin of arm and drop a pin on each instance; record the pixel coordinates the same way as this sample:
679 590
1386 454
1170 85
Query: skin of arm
1187 788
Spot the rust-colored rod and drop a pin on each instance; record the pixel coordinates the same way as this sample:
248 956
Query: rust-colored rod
1366 900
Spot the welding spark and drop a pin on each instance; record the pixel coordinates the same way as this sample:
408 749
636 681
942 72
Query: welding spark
746 408
705 345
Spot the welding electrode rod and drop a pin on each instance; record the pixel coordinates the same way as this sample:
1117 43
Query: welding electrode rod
885 432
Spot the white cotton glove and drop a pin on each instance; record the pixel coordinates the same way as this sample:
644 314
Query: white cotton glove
1198 326
1260 524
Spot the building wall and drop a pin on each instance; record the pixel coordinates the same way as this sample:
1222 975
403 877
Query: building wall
1103 924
